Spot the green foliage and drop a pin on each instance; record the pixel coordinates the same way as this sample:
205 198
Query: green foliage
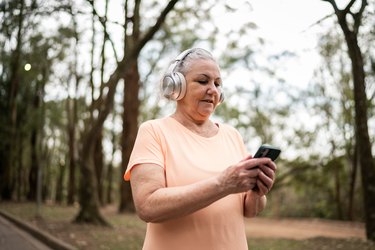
306 185
309 189
29 54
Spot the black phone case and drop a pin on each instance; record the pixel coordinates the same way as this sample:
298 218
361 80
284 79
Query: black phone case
267 151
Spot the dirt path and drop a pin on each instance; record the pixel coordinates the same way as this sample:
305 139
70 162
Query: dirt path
303 228
297 229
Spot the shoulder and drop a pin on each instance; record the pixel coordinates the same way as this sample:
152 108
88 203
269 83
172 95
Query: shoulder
156 126
155 123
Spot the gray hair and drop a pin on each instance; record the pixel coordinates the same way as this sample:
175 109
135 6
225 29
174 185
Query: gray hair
194 54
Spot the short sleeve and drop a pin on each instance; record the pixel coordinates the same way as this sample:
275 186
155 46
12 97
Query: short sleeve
147 148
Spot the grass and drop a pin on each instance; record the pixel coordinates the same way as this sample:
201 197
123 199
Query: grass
127 231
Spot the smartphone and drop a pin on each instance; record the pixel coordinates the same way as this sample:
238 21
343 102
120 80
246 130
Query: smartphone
268 151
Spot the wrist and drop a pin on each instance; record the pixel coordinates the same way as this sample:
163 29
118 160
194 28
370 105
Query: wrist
219 185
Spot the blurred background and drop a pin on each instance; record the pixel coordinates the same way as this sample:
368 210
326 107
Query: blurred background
78 78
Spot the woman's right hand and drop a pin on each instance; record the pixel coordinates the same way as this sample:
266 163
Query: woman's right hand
242 177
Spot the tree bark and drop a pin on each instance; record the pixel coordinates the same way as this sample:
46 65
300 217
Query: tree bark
99 166
89 201
72 114
130 128
72 124
60 184
362 136
109 197
35 153
366 161
33 173
353 178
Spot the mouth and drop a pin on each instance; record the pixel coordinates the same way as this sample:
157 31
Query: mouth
208 101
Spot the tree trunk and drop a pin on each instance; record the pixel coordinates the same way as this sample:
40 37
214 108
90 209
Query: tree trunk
20 169
130 129
366 160
99 169
353 178
72 122
89 201
72 114
33 173
60 184
109 198
362 136
367 163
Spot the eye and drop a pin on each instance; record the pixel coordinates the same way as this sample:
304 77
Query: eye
202 81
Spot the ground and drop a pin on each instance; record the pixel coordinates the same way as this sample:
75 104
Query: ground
127 231
299 229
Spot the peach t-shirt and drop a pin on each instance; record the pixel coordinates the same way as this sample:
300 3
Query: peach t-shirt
188 158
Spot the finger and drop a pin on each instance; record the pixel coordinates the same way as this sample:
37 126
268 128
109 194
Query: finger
266 180
253 172
255 162
263 189
268 171
272 166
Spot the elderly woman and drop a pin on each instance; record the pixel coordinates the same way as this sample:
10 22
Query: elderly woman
192 179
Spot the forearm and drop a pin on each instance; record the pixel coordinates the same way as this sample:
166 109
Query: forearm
155 202
254 204
173 202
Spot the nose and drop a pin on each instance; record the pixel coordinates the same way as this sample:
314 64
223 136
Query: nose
213 89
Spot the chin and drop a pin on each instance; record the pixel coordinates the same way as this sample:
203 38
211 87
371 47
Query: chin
206 113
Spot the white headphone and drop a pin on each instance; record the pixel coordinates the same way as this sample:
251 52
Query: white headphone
173 84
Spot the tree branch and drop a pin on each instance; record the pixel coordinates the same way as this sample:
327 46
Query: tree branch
350 4
334 5
319 21
151 32
105 103
358 16
103 21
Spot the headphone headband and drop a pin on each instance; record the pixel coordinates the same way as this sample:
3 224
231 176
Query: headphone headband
179 59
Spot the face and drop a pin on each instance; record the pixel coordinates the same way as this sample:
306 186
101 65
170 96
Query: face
203 89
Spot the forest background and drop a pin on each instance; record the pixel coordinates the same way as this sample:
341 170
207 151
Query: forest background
78 77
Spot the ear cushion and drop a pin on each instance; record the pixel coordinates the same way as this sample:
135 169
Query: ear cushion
174 86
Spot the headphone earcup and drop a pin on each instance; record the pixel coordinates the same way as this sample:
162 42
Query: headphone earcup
174 86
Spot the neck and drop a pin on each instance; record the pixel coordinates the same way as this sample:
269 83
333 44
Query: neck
204 127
